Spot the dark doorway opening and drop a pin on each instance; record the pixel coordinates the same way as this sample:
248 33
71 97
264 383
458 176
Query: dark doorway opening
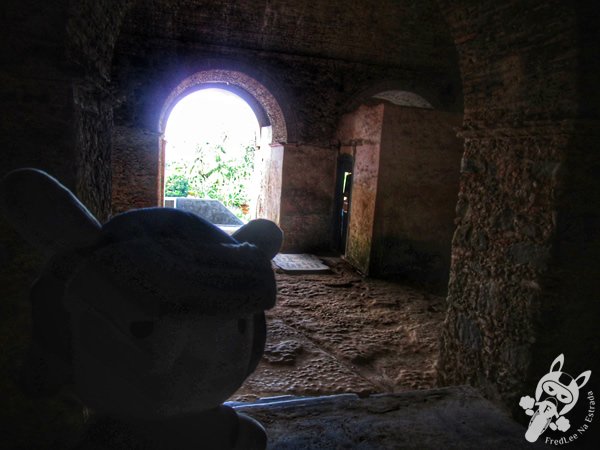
343 200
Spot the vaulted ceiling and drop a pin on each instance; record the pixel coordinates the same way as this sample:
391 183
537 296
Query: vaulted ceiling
383 32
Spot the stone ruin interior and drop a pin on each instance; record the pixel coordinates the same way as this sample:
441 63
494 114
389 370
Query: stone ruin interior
470 256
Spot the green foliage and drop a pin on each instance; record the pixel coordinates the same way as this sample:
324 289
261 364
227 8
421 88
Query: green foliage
177 185
216 171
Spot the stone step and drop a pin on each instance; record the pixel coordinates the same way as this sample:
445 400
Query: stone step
455 417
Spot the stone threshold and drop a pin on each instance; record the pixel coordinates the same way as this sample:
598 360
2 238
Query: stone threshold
456 417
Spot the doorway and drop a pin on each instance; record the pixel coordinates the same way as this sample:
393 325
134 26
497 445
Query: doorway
343 201
211 138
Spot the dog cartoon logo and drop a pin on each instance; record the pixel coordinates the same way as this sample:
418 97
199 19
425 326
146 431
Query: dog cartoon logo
556 394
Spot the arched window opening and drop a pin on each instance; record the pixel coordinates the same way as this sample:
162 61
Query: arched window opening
211 137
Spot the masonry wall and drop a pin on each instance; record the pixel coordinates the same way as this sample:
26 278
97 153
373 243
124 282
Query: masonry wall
92 31
416 195
36 90
307 189
135 165
269 173
523 282
56 113
404 191
360 135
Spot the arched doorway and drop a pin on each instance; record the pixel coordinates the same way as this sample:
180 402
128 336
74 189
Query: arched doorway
210 142
269 140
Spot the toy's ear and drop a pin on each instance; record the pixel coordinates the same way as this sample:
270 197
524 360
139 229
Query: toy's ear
45 212
582 379
262 233
559 361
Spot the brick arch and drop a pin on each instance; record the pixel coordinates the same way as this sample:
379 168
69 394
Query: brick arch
259 98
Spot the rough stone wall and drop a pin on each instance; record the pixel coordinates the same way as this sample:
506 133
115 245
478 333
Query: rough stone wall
333 29
56 115
571 312
55 101
307 187
416 195
520 246
36 93
93 140
404 191
92 30
269 174
360 136
135 169
573 280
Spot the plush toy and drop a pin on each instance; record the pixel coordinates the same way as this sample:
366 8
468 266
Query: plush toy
154 318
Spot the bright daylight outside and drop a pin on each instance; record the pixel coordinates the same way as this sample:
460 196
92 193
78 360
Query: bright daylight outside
211 138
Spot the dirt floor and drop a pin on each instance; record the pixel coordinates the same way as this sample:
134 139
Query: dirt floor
339 332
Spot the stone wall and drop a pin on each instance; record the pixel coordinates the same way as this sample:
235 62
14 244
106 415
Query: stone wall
360 136
404 191
416 195
135 165
307 187
57 116
269 174
334 29
91 33
523 280
36 90
57 110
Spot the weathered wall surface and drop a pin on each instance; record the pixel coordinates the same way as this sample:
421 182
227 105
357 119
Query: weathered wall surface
307 187
93 141
91 33
36 90
56 115
135 169
269 173
360 135
56 108
405 185
523 280
416 195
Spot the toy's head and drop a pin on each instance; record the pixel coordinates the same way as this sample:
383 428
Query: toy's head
164 311
561 386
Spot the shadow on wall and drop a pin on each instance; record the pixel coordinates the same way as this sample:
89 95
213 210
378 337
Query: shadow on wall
420 263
